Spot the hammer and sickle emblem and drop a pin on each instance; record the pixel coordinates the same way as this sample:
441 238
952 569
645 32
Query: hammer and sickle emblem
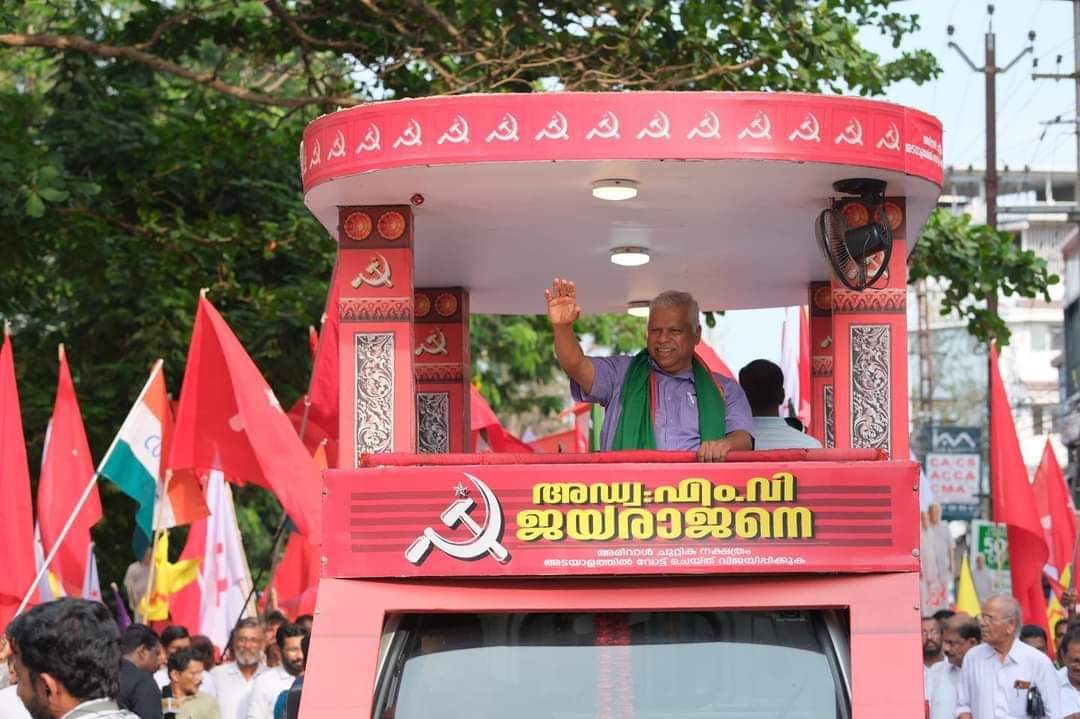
485 539
435 344
458 132
338 148
658 128
371 141
376 274
809 130
316 151
410 136
707 129
556 129
852 134
607 127
891 139
760 128
505 131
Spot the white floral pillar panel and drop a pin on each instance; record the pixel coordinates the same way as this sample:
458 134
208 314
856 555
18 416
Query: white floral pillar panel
375 281
443 369
868 396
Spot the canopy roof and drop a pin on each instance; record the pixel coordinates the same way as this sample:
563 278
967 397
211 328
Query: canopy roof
729 186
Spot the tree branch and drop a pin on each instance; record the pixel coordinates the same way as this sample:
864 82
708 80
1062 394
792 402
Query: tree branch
69 43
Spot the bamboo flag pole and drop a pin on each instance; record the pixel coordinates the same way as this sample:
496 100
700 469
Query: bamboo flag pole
158 531
82 498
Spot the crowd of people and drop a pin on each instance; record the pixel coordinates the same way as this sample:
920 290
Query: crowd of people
68 658
996 666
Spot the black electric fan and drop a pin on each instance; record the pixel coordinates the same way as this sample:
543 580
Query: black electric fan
850 250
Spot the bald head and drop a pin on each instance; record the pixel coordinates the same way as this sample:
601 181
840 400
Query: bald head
1000 622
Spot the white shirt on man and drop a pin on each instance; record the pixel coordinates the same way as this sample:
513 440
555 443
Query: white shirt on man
267 687
11 706
1070 695
942 685
775 433
993 689
234 689
161 676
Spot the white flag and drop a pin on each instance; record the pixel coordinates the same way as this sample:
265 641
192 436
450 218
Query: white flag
91 582
225 579
49 588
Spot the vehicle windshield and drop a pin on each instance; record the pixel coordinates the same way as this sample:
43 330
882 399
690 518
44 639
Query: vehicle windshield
698 664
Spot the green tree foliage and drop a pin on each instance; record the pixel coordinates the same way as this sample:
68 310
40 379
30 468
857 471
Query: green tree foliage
148 149
975 262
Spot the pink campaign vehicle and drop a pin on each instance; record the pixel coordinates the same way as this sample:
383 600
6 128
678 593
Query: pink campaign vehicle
623 584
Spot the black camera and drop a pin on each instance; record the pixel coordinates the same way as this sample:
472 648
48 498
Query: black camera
1035 706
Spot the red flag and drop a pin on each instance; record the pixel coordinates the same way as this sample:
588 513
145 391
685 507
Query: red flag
1014 504
65 471
185 606
230 420
1056 510
322 415
296 580
483 418
16 513
712 360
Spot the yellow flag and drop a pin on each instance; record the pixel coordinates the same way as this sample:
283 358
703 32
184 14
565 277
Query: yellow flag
168 578
1054 611
967 599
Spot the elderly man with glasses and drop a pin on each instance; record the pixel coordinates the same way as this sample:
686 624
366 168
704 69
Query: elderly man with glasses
1003 677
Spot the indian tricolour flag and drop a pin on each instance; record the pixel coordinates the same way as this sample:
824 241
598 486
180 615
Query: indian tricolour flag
134 461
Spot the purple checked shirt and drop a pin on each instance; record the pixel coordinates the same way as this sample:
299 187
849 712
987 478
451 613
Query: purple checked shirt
677 413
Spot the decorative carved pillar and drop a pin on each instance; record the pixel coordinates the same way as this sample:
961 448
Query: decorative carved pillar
443 368
375 283
822 399
869 331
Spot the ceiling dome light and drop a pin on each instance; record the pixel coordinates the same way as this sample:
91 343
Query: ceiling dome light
614 190
630 256
638 308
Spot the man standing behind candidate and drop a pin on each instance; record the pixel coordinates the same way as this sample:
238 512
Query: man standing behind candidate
695 409
1001 677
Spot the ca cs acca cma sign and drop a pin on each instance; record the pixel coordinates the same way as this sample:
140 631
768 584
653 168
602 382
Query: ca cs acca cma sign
954 478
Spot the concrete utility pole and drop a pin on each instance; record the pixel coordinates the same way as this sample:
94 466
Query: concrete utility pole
1075 77
990 71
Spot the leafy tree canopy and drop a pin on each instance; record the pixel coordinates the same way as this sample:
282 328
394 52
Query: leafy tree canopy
147 149
974 263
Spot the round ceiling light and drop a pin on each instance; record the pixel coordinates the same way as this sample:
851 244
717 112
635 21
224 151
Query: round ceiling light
630 256
638 308
614 190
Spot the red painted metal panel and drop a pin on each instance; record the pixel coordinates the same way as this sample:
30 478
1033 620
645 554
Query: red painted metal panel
581 519
621 126
884 624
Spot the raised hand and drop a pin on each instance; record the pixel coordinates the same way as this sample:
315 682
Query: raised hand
562 302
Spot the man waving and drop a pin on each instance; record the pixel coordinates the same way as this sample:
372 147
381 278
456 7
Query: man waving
662 398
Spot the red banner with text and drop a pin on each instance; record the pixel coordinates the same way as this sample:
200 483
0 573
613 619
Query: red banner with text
526 520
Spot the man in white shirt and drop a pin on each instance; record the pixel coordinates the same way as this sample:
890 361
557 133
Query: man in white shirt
274 681
999 675
961 634
1070 675
236 680
763 383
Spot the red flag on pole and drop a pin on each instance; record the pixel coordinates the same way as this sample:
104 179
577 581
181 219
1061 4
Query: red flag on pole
16 513
296 580
1056 510
230 420
66 469
322 394
1014 503
804 366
